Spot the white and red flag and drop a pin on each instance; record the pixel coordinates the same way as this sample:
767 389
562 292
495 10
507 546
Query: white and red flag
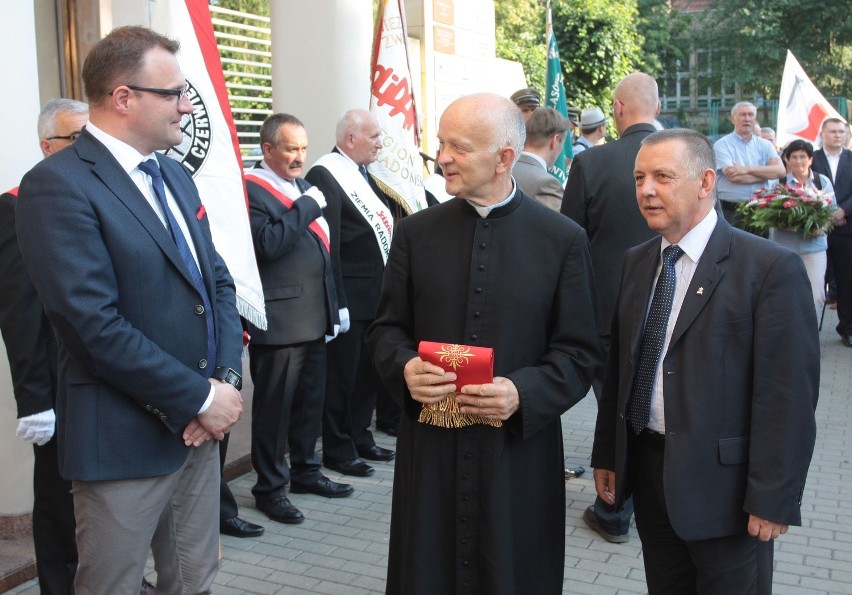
801 107
210 149
398 170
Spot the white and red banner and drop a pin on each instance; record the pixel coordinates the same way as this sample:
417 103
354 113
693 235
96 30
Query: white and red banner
801 107
210 149
399 168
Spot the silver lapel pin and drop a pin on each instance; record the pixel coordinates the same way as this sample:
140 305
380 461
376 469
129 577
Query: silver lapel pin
700 291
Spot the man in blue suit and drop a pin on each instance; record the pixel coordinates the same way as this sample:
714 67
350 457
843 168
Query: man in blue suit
119 249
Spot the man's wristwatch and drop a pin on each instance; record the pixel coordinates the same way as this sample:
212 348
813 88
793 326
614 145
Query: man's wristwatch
228 375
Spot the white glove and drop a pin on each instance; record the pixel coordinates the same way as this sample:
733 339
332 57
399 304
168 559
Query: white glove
317 195
37 428
344 319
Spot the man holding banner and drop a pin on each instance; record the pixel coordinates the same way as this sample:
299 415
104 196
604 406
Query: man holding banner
360 218
291 241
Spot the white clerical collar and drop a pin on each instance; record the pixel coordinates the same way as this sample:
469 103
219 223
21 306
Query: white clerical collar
485 211
695 241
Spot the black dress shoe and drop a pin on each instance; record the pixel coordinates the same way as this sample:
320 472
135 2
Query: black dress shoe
355 467
390 430
280 509
322 486
846 340
237 527
376 453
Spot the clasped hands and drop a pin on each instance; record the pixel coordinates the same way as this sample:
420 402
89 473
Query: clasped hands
757 527
217 420
429 384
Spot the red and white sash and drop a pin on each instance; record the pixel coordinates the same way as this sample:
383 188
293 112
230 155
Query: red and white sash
370 206
269 181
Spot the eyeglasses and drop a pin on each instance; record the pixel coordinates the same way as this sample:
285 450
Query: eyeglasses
72 137
179 93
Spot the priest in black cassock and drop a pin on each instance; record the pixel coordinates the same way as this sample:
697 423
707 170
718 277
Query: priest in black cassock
481 509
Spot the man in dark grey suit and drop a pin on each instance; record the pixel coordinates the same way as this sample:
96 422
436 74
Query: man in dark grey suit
291 241
546 133
835 162
707 412
118 246
600 197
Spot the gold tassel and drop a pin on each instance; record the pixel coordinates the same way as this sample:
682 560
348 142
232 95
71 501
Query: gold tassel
446 414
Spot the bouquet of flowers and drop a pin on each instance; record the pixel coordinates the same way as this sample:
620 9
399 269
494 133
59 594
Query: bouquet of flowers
804 210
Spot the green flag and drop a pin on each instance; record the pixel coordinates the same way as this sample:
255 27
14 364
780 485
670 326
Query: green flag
554 97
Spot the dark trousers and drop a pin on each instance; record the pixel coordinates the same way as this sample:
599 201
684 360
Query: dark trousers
350 396
53 524
840 253
387 410
289 388
733 565
227 503
614 522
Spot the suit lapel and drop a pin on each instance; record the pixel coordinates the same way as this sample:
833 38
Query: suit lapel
638 294
705 280
108 170
821 161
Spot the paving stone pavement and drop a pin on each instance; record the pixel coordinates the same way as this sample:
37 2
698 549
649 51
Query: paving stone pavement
342 545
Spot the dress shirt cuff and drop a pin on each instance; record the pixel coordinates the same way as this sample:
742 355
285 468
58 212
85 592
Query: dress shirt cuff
209 400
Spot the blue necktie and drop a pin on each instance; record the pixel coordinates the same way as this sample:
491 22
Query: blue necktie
150 167
639 409
363 170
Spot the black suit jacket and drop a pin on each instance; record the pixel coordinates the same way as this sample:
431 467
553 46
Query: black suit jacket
30 343
842 183
131 330
601 196
295 269
741 378
355 255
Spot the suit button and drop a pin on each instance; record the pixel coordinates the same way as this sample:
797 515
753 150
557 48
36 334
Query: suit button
476 314
474 337
478 290
202 363
199 309
482 245
482 267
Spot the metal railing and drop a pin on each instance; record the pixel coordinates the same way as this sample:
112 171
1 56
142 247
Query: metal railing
244 42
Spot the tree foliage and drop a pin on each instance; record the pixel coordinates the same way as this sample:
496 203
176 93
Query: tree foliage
598 44
749 40
665 33
520 36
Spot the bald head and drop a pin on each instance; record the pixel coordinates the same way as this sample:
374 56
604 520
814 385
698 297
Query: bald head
480 136
359 136
636 101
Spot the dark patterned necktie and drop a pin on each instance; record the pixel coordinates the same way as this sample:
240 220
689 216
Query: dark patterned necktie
639 409
150 167
363 170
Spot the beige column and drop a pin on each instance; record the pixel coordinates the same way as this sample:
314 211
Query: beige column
320 63
18 154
